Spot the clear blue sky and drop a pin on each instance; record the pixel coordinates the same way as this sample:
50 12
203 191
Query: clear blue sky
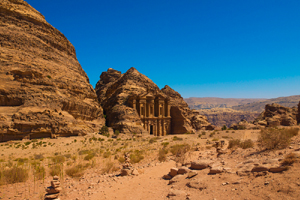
200 48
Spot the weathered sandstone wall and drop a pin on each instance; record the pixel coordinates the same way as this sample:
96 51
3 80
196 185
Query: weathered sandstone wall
43 89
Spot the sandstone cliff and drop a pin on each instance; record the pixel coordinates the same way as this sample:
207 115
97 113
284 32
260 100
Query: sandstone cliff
43 89
276 115
114 88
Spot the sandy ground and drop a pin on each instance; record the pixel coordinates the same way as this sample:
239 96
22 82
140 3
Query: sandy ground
149 184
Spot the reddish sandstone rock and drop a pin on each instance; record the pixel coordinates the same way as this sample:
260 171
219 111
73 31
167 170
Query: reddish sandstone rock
276 115
44 91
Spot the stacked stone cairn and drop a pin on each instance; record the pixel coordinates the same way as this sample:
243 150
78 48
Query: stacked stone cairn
127 168
54 190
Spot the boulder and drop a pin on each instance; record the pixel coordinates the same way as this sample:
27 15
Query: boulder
277 168
216 170
200 164
260 168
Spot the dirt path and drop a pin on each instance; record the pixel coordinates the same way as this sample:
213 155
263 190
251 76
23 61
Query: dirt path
148 185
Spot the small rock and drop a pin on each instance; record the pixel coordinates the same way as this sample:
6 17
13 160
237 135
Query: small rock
51 196
267 183
52 190
173 172
135 172
167 177
125 172
55 183
183 170
225 183
192 174
179 193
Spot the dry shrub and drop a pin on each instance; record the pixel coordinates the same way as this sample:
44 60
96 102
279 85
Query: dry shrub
38 157
82 152
289 159
56 170
89 156
14 175
109 168
180 150
76 171
273 138
234 143
58 159
175 138
162 154
106 154
39 171
136 156
247 144
21 161
152 140
121 159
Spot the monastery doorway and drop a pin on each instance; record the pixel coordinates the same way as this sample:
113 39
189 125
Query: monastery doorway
151 129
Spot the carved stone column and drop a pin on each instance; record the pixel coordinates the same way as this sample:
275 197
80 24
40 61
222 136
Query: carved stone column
152 108
134 104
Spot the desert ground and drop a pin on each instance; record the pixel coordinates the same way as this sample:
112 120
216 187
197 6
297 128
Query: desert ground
89 167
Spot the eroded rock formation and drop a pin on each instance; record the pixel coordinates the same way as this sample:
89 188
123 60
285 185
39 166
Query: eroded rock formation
43 89
277 115
115 89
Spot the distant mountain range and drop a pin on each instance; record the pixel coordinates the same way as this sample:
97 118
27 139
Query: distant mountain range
227 111
199 103
241 104
251 105
259 106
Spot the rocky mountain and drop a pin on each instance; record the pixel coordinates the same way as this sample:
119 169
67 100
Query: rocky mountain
214 102
259 106
227 116
278 115
114 88
43 89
